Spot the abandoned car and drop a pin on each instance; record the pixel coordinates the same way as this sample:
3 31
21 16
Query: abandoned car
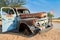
20 19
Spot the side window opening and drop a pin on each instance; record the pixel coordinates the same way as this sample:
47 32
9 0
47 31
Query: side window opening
11 11
20 11
8 11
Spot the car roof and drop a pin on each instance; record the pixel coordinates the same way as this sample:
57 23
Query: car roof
23 8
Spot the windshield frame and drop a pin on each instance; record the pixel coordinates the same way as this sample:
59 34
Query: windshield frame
23 9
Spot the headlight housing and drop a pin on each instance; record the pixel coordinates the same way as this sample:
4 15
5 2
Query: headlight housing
40 23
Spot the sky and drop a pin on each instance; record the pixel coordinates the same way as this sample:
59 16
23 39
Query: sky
44 6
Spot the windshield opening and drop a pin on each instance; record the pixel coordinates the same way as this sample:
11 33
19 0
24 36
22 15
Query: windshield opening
22 11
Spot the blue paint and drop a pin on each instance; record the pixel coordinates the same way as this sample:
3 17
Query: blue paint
9 24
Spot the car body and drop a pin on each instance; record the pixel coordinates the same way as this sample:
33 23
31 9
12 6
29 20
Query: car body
24 21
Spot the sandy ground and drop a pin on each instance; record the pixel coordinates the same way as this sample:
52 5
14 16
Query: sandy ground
56 21
50 35
53 34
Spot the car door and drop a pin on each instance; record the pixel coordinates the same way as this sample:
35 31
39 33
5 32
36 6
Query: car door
8 20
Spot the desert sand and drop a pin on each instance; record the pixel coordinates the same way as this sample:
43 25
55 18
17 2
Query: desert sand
53 34
50 35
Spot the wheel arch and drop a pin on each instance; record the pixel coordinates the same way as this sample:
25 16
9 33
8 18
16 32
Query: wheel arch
24 26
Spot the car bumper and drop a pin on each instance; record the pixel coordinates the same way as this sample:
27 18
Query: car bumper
46 29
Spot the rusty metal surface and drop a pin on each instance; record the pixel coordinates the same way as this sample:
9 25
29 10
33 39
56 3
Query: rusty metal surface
20 8
33 15
29 21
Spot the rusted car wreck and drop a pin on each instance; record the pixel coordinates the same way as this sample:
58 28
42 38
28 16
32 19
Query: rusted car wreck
24 21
